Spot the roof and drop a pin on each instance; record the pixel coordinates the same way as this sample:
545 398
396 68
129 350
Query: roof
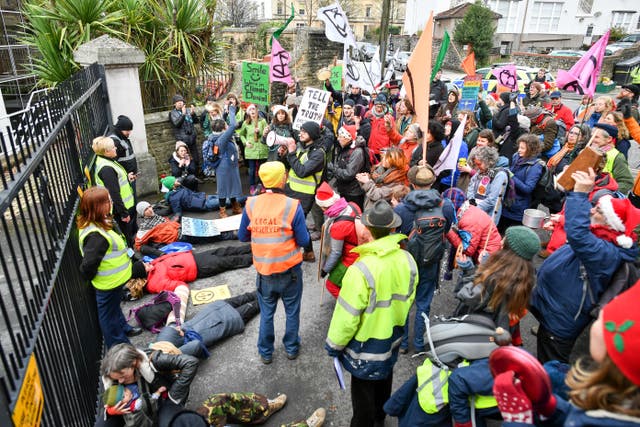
458 12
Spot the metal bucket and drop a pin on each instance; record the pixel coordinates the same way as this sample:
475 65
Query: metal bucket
534 218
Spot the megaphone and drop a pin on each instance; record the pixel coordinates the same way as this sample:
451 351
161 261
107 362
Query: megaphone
274 139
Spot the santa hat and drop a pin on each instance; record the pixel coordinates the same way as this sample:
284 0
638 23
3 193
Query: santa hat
621 216
350 129
621 332
325 196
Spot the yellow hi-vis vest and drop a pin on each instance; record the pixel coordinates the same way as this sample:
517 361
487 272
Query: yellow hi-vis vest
306 185
115 268
433 389
611 157
126 192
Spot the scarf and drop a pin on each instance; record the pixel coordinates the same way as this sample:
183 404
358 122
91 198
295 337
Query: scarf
555 159
606 233
337 208
376 115
179 159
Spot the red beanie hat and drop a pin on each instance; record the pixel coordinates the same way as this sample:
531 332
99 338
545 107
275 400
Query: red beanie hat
351 129
622 217
325 196
621 332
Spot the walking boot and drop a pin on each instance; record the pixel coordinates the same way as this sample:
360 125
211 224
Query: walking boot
236 208
317 418
223 212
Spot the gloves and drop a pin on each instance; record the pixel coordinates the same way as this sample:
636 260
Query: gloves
513 402
625 108
332 352
465 263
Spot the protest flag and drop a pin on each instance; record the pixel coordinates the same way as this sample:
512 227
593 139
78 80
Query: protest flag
448 159
279 64
336 25
469 63
413 80
583 76
507 76
444 47
279 31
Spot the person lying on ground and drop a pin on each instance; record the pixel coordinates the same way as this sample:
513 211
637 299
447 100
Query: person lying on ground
182 199
172 270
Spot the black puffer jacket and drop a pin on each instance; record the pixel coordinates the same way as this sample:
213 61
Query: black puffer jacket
347 162
183 130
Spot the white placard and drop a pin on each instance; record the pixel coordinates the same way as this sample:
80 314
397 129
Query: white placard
314 103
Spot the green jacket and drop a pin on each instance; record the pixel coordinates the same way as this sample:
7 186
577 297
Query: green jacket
253 147
371 311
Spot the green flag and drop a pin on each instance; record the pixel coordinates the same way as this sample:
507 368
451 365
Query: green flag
444 47
279 31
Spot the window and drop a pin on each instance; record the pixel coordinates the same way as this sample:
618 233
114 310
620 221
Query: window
585 6
301 12
545 17
367 12
622 19
589 31
509 9
299 24
280 9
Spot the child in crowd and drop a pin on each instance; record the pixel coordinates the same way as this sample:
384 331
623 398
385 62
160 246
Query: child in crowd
119 398
501 286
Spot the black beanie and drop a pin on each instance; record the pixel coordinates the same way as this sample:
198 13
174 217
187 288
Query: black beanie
138 271
504 96
312 128
124 123
350 102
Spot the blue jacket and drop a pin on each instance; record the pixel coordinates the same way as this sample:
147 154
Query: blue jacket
526 173
420 199
183 199
568 415
462 154
561 302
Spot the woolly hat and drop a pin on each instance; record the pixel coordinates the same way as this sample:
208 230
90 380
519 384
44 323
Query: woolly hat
325 196
279 107
177 97
350 102
504 96
113 395
312 128
138 271
524 122
271 174
380 99
181 144
123 123
141 207
421 176
523 241
621 216
456 196
621 332
168 183
610 129
350 129
415 129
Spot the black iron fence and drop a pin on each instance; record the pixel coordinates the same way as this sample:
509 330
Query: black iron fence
47 312
157 94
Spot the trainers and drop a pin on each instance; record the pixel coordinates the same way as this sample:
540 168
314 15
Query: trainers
403 350
317 418
265 360
309 257
276 404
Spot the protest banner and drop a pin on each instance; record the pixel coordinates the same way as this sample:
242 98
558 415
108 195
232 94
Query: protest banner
469 96
255 82
314 102
336 77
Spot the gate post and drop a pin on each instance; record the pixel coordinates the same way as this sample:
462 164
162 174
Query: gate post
121 61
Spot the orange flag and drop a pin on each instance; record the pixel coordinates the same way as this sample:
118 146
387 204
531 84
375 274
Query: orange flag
469 63
415 79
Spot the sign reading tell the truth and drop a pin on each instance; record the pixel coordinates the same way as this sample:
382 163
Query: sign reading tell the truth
255 82
312 106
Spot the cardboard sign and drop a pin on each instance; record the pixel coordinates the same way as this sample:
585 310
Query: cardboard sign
312 107
255 82
198 227
207 295
469 95
30 403
336 77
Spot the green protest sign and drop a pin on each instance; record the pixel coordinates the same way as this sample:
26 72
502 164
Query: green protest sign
255 82
336 77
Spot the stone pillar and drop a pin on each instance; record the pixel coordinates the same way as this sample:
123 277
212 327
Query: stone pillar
121 61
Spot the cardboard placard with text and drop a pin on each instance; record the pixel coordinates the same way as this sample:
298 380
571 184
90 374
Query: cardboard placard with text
312 107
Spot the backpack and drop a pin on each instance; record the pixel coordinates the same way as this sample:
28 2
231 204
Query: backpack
624 278
362 232
210 156
153 315
426 240
544 186
509 189
562 130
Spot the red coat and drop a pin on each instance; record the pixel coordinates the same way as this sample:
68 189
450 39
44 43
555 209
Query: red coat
170 271
563 113
379 137
477 222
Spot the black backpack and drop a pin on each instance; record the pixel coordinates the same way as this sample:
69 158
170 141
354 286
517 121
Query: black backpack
426 240
544 186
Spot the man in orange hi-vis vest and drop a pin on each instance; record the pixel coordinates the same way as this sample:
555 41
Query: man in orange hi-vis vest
275 225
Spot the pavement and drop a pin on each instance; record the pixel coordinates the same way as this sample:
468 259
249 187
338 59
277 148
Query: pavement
309 381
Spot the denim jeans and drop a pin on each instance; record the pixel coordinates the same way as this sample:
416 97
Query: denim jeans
212 203
288 287
254 165
427 281
113 324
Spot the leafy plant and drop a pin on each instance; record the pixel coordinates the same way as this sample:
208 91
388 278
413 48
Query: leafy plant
617 33
477 29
